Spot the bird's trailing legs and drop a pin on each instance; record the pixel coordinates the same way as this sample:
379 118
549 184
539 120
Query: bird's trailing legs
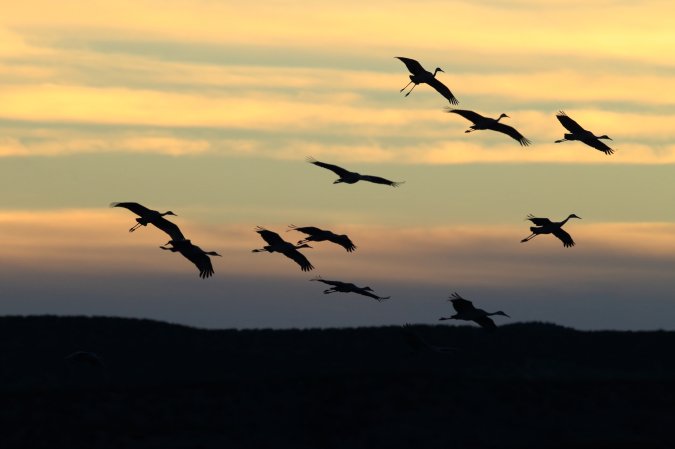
330 290
411 89
405 87
529 238
136 226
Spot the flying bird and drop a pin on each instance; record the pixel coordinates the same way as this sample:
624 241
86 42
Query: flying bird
321 235
480 122
421 75
546 226
576 132
85 358
466 311
279 245
418 344
350 177
194 254
347 287
154 217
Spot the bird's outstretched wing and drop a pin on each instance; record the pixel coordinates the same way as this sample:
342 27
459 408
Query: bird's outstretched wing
443 90
564 237
379 180
485 322
300 259
413 66
538 221
512 132
269 236
334 168
309 230
569 124
134 207
599 145
469 115
326 281
195 255
343 241
170 228
460 304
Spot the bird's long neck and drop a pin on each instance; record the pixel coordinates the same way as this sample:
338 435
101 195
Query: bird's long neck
500 117
438 69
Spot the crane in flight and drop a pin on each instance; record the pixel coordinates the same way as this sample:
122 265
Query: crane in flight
153 217
576 132
350 177
481 122
466 311
194 254
275 244
546 226
420 75
321 235
348 287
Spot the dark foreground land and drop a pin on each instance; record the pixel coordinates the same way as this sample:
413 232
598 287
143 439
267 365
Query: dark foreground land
167 386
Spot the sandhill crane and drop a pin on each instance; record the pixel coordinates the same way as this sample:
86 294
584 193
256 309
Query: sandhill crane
279 245
546 226
418 344
350 177
194 254
347 287
480 122
576 132
320 235
421 75
466 311
152 216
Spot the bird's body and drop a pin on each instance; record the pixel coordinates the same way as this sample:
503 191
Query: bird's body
194 254
348 287
321 235
418 344
467 312
480 122
278 245
85 358
420 75
149 216
576 132
350 177
546 226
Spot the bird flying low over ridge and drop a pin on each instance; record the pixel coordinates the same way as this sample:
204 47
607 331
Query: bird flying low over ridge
466 311
481 122
348 287
546 226
421 75
350 177
418 344
576 132
278 245
153 217
320 235
194 254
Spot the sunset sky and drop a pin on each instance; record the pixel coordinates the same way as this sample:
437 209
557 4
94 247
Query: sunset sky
209 109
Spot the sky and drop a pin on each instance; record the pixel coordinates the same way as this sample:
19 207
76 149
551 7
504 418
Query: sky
209 109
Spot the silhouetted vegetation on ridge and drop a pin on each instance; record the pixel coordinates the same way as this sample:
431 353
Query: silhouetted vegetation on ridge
524 385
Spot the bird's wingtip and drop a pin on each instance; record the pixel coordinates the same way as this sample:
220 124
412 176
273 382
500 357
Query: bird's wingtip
114 204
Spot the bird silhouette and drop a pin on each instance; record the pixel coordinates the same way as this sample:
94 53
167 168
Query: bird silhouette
278 245
480 122
85 358
321 235
194 254
421 75
350 177
347 287
576 132
546 226
154 217
466 311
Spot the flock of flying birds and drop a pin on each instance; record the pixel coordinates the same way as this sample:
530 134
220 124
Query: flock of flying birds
464 309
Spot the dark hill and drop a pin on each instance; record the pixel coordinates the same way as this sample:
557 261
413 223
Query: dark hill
168 386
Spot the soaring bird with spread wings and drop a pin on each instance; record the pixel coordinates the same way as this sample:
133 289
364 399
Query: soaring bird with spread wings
466 311
420 75
276 244
194 254
320 235
481 122
350 177
348 287
546 226
576 132
153 217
